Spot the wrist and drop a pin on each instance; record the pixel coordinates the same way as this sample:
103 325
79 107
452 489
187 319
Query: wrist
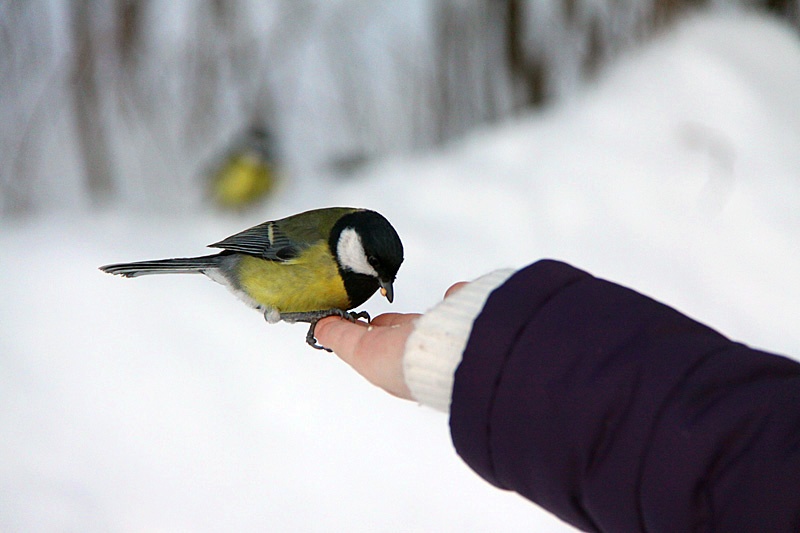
435 347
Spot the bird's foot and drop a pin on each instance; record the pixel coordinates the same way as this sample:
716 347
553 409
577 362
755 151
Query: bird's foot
312 317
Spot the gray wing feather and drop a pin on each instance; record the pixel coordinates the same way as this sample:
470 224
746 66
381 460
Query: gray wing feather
265 240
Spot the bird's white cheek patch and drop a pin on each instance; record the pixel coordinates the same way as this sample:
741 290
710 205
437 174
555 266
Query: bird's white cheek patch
351 253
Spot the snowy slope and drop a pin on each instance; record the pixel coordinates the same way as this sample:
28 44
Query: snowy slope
163 404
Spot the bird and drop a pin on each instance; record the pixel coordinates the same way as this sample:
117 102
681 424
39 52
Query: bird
247 173
301 268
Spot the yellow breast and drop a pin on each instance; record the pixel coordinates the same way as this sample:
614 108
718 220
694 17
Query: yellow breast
310 282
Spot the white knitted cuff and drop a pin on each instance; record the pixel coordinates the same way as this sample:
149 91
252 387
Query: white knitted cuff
435 347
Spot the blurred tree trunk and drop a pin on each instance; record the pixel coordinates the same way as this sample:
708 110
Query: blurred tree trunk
470 77
788 9
92 142
527 73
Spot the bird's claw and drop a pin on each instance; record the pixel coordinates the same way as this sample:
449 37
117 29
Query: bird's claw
313 317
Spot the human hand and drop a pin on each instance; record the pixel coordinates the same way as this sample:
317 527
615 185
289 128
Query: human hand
374 350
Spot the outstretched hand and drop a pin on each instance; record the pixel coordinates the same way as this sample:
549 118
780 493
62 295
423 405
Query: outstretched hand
374 350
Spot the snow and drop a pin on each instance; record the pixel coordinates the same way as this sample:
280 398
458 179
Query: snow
163 404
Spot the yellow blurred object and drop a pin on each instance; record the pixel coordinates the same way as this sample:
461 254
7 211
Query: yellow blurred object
248 174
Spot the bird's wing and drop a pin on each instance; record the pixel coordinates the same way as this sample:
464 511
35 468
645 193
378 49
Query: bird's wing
284 239
266 240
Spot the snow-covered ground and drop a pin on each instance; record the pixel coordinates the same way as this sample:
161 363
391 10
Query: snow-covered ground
164 404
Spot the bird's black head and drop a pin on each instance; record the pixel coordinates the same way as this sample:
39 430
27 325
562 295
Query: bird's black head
369 253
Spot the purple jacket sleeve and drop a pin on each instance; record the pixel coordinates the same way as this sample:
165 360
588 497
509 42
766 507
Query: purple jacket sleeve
617 413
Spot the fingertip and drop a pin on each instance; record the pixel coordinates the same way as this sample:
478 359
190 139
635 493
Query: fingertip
326 328
328 320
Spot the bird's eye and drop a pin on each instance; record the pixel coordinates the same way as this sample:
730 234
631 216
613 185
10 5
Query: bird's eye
372 260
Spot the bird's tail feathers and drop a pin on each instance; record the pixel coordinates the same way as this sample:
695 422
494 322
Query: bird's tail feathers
181 265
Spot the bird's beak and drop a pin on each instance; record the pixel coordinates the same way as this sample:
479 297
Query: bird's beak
387 290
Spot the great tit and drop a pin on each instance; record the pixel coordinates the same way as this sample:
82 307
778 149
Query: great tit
247 172
301 268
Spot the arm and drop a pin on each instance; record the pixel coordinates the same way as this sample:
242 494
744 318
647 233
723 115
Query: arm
618 413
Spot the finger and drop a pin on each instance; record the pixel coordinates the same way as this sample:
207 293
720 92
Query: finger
455 288
393 319
340 335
